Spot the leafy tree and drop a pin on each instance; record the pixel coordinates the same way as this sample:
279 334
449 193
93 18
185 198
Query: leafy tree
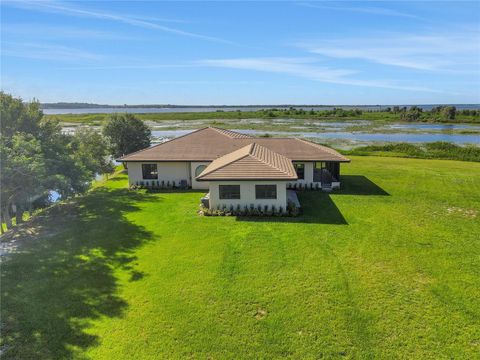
91 150
23 174
17 116
413 114
126 134
36 158
449 112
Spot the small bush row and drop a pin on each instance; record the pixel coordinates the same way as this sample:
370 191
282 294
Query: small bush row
300 186
251 210
157 185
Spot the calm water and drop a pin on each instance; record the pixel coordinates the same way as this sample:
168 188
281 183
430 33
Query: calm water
443 127
460 139
233 108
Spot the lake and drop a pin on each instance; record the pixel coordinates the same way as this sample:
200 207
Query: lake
356 136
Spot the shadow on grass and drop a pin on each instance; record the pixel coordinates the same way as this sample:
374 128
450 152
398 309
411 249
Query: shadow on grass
317 208
62 277
359 185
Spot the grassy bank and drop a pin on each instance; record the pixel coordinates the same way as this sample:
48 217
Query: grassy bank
435 150
387 267
378 116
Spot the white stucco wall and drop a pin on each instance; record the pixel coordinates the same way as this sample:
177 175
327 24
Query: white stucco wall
198 184
247 194
167 171
308 178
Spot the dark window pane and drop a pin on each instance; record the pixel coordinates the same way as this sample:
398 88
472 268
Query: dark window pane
229 191
149 171
265 191
300 169
199 169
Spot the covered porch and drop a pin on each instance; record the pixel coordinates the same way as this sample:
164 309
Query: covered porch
327 173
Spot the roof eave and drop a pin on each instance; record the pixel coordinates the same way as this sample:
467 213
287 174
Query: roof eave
249 179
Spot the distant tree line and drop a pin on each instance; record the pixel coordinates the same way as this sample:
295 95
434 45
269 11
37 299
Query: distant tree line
38 158
412 114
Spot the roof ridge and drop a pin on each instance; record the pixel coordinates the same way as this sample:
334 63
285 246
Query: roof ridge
325 148
226 132
221 167
269 164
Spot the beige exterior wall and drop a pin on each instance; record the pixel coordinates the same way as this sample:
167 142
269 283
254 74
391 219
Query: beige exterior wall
167 171
198 184
176 171
247 194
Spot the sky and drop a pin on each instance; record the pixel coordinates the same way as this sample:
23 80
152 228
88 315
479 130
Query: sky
233 52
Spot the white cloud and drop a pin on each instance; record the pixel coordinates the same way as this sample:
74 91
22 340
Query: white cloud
68 9
53 32
47 52
364 9
432 52
306 68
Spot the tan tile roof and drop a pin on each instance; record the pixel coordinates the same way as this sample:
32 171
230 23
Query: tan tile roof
251 162
210 143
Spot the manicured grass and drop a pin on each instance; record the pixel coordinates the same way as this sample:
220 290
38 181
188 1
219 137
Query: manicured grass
388 267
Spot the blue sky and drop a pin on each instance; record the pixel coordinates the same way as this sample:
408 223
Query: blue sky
120 52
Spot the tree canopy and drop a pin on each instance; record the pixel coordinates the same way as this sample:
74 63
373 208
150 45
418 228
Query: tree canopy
37 158
126 134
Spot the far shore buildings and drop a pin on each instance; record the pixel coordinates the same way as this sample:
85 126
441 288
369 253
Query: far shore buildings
237 169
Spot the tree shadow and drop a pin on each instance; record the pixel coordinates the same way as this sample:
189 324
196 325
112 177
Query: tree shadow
359 185
317 208
62 276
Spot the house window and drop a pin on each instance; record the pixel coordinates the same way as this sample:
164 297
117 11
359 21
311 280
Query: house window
300 169
265 192
229 191
199 169
149 171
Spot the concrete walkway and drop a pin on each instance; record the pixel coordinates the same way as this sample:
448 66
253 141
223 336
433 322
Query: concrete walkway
292 198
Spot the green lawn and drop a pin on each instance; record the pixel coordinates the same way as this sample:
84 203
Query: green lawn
388 267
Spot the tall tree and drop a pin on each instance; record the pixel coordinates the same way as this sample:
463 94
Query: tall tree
90 149
36 158
17 116
126 134
23 176
449 112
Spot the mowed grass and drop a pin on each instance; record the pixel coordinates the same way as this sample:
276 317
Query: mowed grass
388 267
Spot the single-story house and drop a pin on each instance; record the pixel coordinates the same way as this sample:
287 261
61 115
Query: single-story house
237 169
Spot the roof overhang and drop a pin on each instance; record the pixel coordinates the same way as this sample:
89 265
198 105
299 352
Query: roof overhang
248 179
198 160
